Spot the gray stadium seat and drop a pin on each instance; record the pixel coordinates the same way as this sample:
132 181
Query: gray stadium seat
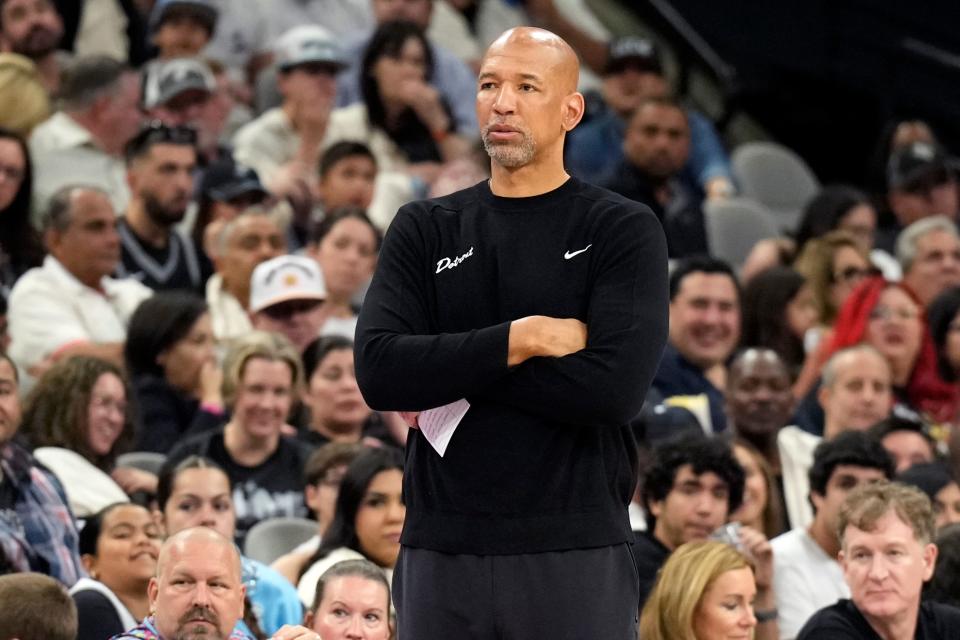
734 226
143 460
269 539
777 178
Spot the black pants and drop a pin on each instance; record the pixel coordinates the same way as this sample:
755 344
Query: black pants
581 594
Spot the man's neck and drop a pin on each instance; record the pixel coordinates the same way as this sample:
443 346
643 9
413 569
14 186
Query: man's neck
144 227
765 443
825 539
93 128
529 180
902 626
49 71
659 536
238 291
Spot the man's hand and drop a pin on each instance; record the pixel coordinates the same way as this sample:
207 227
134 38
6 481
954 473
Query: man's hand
756 545
542 336
411 418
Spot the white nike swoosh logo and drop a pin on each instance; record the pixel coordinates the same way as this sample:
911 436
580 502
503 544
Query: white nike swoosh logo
570 254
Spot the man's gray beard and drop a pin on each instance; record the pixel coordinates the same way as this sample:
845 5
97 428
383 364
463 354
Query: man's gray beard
510 156
186 633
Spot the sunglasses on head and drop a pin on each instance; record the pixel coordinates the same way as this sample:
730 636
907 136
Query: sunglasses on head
156 132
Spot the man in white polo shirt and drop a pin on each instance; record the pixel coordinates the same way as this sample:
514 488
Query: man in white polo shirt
70 305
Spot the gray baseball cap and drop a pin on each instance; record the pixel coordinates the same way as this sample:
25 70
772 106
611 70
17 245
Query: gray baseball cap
305 44
163 81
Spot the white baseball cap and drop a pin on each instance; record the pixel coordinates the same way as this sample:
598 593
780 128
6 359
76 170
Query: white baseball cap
285 278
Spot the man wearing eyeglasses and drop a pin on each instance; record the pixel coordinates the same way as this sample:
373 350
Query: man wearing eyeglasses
160 166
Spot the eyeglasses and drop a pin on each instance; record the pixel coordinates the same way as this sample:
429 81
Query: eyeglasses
852 274
156 132
107 404
885 313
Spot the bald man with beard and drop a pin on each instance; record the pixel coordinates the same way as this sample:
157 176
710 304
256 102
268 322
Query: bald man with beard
198 592
542 302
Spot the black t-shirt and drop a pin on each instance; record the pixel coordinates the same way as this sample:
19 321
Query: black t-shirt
649 554
96 616
544 459
271 489
843 621
176 266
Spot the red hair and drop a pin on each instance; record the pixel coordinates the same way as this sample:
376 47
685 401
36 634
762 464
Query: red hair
926 391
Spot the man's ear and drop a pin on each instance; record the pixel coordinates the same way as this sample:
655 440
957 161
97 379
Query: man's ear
929 560
656 508
823 395
573 108
153 589
816 500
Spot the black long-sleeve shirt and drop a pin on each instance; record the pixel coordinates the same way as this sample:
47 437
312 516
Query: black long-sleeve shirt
542 461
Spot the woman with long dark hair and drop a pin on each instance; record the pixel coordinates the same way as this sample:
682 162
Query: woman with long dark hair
367 522
778 310
119 548
174 373
20 247
77 419
402 118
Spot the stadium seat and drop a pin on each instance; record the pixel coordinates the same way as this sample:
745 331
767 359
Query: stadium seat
777 178
269 539
143 460
735 225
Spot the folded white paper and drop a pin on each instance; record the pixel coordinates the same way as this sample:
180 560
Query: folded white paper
438 425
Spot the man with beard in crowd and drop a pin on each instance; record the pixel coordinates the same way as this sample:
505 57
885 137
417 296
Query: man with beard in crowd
33 28
160 164
478 295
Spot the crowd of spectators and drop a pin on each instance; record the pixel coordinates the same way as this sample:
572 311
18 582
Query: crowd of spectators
193 195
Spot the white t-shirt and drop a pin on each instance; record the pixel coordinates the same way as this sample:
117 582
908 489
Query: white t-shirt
796 457
88 488
805 579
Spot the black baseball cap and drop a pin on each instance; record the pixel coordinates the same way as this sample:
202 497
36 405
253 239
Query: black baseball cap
633 51
916 165
226 180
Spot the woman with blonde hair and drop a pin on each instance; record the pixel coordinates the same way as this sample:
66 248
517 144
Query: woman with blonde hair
261 376
833 265
705 591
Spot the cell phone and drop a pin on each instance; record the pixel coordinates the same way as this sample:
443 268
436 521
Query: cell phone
728 534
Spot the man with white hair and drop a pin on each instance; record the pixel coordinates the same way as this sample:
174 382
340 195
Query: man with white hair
929 253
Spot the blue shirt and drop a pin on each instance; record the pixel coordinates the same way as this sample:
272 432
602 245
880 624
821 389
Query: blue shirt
595 148
274 600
